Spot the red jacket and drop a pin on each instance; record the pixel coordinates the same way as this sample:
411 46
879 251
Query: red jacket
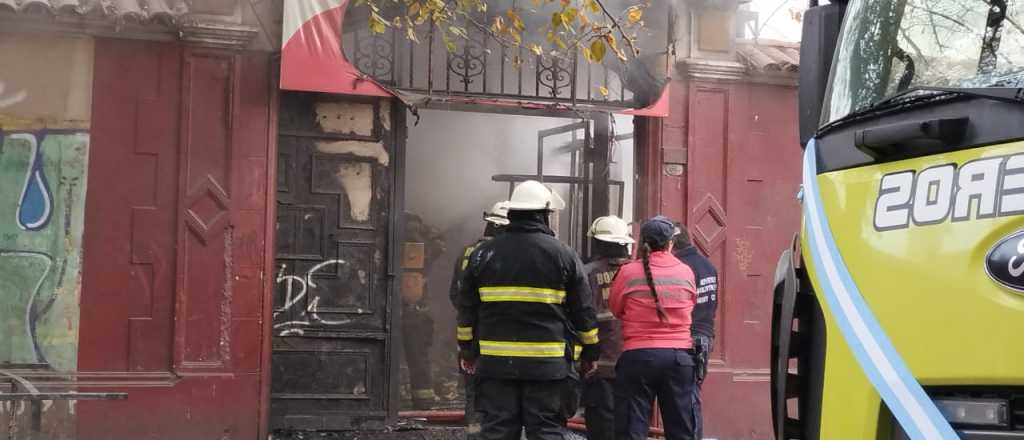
630 300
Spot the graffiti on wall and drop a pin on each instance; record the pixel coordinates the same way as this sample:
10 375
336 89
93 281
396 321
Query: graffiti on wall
42 205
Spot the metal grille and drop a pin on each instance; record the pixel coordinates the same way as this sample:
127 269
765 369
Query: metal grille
479 66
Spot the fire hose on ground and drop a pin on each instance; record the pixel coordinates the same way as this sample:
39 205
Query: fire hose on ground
455 416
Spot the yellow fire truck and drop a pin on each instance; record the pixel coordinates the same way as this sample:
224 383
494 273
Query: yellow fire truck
899 309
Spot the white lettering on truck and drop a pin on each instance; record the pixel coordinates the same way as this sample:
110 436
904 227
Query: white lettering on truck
978 189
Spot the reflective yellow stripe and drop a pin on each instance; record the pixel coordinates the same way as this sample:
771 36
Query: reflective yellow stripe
589 337
522 294
464 333
426 394
522 349
576 352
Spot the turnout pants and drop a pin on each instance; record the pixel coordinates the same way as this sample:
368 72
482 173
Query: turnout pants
599 408
472 415
417 336
508 406
645 374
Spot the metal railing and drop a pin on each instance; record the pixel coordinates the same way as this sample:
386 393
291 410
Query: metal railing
16 388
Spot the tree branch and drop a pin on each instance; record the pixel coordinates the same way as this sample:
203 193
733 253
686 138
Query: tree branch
617 26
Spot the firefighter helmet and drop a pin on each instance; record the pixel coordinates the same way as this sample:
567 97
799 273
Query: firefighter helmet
611 229
498 214
532 195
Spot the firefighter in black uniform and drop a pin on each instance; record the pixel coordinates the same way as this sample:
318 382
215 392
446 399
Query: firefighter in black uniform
703 327
522 306
495 221
610 242
423 244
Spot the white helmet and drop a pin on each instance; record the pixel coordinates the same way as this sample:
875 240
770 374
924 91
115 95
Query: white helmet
498 214
532 195
611 229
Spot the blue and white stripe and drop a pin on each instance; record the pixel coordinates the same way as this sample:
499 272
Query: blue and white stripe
884 367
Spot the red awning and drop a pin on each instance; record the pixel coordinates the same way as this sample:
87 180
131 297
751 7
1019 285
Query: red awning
312 60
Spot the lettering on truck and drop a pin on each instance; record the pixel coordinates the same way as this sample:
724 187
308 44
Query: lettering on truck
982 188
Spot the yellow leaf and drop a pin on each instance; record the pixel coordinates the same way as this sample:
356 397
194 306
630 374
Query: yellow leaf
593 6
536 49
499 25
566 3
517 22
410 33
556 20
397 22
414 9
586 54
634 14
584 22
569 16
603 90
517 39
610 38
597 50
377 24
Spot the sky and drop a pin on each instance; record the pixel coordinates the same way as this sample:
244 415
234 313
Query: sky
778 19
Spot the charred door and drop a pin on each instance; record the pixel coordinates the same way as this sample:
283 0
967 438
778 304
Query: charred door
332 358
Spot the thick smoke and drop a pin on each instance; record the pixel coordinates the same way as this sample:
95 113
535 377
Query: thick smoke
451 157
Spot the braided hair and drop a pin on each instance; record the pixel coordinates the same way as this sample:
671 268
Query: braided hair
645 256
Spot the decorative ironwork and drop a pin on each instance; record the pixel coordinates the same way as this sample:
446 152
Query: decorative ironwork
554 74
374 54
481 66
469 62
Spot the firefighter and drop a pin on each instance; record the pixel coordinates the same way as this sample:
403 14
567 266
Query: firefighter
654 298
495 221
522 305
703 327
610 242
423 244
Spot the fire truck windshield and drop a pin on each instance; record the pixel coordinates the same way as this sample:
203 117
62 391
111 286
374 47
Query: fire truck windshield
888 47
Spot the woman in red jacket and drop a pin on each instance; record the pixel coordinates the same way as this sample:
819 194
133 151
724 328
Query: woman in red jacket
654 298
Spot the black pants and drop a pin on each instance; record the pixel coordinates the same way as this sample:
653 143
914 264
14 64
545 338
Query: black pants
472 415
599 408
417 337
508 406
698 410
646 374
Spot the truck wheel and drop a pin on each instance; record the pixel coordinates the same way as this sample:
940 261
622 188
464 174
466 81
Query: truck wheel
797 357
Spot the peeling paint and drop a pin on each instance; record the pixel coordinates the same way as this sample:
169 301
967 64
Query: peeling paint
385 114
356 179
362 276
345 117
744 255
372 150
225 305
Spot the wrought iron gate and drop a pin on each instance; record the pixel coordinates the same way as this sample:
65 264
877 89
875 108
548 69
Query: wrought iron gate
590 188
336 183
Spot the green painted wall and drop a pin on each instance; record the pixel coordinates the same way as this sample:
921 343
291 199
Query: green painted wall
42 206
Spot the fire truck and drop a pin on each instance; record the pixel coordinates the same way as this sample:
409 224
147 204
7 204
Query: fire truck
899 308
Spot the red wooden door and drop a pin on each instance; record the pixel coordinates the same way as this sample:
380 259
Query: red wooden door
743 173
172 308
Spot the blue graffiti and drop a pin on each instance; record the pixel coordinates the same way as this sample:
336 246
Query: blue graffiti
36 203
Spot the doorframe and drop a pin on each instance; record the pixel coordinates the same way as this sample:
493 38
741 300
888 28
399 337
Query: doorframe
270 237
643 163
393 328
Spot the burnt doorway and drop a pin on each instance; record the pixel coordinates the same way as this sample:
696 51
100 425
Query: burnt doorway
332 363
460 163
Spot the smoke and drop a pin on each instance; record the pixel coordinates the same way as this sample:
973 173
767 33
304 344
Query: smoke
451 157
